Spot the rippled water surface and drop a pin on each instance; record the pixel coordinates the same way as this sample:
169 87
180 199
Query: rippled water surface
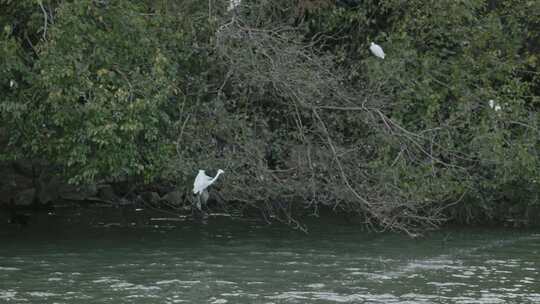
227 261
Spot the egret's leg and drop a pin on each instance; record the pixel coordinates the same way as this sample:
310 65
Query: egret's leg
198 204
204 197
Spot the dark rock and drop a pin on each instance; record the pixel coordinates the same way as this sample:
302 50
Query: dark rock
48 191
12 183
26 197
106 193
151 197
123 202
6 194
24 168
77 193
122 187
174 197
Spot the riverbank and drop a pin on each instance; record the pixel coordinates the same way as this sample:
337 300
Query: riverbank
30 188
70 215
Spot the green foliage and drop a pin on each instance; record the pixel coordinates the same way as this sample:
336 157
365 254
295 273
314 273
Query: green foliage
102 89
445 61
107 80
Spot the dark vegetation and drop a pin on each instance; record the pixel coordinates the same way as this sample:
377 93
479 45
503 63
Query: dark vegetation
286 98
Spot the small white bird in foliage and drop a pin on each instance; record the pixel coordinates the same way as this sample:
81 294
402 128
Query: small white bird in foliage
12 83
233 4
494 105
376 50
203 181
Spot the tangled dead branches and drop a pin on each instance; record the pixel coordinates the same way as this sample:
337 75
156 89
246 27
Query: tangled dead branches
298 135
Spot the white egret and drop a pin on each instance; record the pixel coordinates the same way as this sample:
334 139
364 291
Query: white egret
203 181
377 50
233 4
494 105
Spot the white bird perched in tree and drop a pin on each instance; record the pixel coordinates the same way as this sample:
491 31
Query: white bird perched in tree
203 181
233 4
494 105
376 50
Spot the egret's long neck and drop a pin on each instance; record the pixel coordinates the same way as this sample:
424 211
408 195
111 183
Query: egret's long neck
215 178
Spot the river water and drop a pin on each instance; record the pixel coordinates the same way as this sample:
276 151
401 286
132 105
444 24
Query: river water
59 260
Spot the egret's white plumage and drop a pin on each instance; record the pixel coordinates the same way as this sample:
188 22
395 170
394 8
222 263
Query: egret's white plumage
377 50
202 181
233 4
494 105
